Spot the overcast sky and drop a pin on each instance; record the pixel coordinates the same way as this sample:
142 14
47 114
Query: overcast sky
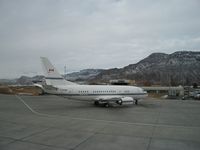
85 34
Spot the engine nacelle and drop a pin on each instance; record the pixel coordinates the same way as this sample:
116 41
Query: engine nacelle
126 101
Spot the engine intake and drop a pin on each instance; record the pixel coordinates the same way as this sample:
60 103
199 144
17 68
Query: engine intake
126 101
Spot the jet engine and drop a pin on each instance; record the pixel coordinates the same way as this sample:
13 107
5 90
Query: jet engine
125 101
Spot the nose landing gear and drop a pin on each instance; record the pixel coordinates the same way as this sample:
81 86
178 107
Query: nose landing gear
96 103
136 102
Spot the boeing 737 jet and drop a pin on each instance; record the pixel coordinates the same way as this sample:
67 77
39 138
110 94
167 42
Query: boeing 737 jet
99 94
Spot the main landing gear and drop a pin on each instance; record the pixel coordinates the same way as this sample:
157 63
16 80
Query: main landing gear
136 102
106 105
96 103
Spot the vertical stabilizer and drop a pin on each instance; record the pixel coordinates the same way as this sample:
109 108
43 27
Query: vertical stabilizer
52 76
49 70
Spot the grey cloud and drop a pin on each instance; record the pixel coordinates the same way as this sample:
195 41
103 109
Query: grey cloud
92 33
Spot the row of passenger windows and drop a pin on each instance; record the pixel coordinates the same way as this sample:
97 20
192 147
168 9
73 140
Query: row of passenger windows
97 91
104 91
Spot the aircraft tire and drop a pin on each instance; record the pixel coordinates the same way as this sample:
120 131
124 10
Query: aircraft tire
136 102
106 105
96 103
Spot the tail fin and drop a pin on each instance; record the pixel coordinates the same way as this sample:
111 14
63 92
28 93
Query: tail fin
52 76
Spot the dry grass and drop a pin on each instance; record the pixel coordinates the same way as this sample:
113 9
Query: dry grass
156 95
5 90
25 90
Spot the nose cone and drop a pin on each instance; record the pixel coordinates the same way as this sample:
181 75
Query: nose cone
143 92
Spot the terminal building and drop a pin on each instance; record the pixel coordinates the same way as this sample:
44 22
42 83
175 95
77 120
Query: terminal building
172 92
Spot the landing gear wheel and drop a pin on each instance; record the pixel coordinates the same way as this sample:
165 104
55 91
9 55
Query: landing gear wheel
106 105
96 103
119 102
136 102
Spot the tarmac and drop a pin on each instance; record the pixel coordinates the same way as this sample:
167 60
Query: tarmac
56 123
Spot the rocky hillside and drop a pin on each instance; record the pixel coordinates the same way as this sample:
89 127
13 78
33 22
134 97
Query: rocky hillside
83 75
179 68
23 80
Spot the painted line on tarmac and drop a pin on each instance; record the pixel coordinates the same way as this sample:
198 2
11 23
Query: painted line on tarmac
33 111
100 120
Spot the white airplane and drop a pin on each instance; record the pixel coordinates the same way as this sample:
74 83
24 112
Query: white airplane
99 94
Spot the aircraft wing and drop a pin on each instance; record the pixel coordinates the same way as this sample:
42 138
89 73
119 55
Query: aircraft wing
107 97
115 99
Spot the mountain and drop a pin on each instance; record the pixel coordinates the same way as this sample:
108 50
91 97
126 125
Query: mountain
83 75
24 80
179 68
8 81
